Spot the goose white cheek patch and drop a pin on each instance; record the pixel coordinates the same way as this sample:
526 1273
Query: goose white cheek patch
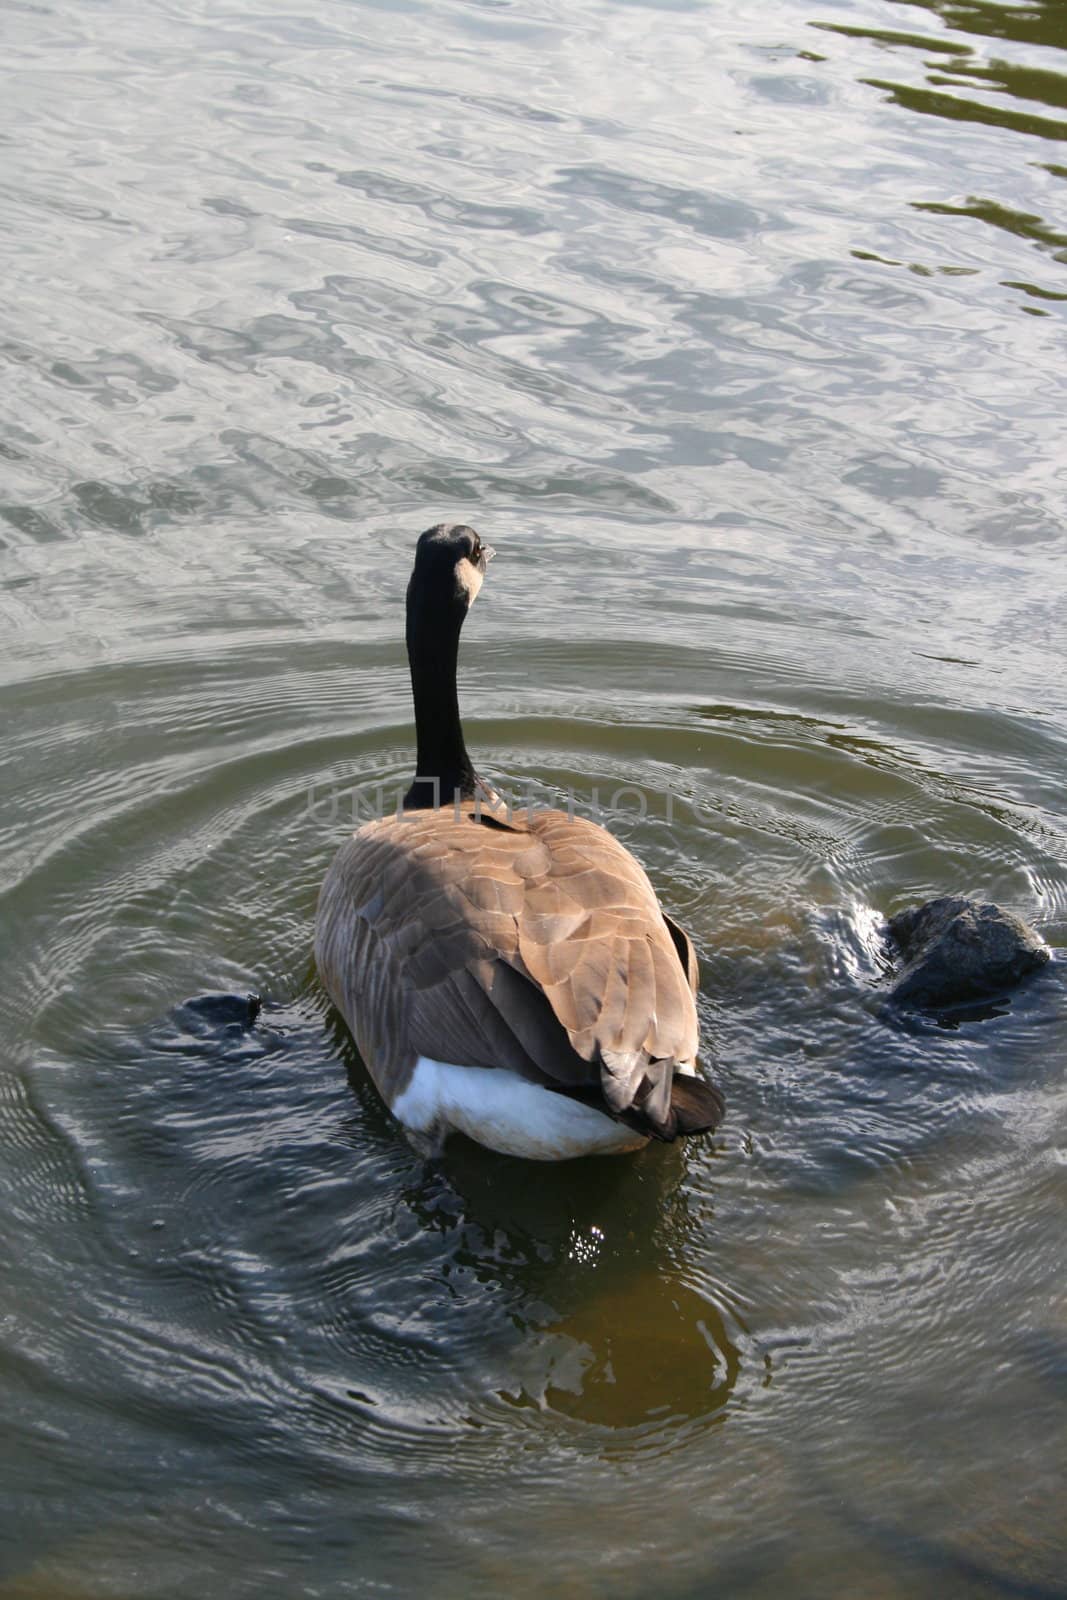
469 579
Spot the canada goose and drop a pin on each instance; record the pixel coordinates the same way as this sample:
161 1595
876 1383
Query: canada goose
506 974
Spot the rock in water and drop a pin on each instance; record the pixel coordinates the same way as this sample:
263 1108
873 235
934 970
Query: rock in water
957 951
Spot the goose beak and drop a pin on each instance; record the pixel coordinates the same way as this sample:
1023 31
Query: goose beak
488 552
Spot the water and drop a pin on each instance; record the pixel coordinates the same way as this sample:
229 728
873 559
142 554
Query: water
739 332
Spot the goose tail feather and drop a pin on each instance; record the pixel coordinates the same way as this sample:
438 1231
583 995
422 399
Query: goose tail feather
696 1106
653 1096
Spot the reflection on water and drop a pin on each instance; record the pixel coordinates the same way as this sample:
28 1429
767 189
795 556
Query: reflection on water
1038 22
591 1261
952 65
738 334
957 109
1017 222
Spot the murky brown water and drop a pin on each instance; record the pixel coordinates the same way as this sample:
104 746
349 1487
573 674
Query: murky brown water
740 333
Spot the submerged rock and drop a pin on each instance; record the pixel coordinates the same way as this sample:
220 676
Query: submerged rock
959 951
218 1014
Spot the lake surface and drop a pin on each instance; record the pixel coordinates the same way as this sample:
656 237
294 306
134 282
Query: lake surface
739 331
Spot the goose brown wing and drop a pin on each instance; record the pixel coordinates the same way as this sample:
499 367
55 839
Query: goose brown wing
415 914
592 936
537 946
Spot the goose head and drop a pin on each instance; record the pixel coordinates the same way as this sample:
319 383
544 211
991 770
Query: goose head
450 563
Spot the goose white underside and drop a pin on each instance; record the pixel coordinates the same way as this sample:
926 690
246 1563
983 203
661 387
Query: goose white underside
507 1113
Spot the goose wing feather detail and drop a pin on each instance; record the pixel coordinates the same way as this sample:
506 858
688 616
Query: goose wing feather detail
536 945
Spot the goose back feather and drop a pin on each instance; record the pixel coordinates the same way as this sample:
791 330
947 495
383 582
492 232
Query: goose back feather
536 946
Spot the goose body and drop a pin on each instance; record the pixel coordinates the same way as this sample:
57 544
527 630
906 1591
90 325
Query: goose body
508 975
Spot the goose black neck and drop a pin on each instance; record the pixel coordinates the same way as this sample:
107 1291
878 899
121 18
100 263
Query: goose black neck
443 767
